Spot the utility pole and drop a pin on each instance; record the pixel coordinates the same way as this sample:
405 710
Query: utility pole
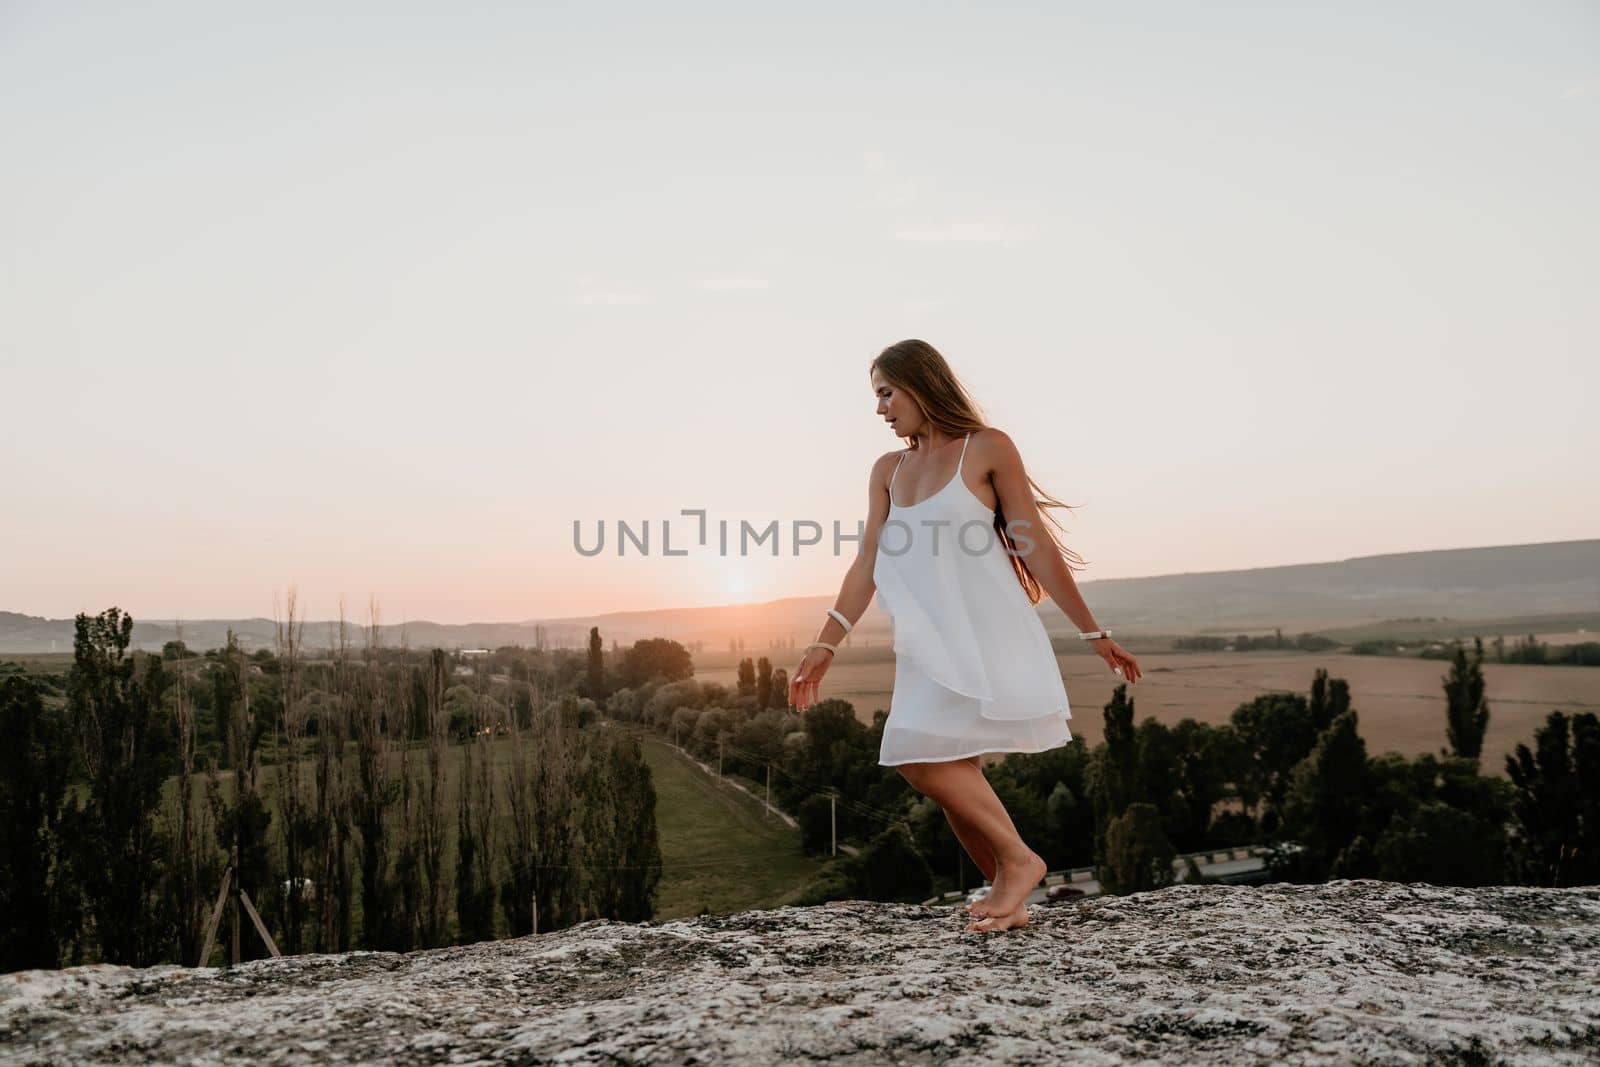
769 787
833 819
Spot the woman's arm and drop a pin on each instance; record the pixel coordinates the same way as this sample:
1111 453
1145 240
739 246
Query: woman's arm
855 592
1023 519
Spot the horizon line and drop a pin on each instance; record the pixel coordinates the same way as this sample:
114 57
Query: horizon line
356 624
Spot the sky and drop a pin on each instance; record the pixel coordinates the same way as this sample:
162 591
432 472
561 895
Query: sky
379 300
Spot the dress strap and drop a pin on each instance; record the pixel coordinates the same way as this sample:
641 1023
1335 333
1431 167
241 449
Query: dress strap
963 455
891 476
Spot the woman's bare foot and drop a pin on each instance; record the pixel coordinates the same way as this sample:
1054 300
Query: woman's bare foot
1011 921
980 907
1019 880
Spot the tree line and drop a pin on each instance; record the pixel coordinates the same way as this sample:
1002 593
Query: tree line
1528 649
1288 769
394 799
1304 642
374 798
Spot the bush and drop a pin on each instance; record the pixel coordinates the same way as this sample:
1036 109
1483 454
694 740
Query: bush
1138 854
838 880
893 868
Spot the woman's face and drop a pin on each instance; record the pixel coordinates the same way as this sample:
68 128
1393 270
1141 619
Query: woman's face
895 407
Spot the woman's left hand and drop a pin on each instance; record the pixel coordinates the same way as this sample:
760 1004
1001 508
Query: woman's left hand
808 677
1117 657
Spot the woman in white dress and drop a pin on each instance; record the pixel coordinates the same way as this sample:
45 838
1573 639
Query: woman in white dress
956 551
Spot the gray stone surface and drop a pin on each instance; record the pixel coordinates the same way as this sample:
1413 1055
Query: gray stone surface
1349 972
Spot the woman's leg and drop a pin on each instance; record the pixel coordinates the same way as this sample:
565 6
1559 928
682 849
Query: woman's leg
976 845
960 787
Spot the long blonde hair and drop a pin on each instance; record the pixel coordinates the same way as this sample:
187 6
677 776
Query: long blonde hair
917 369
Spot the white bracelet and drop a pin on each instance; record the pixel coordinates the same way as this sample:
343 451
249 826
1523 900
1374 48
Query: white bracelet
823 644
1094 635
842 620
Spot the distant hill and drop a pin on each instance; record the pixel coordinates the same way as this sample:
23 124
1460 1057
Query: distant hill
1465 583
1462 583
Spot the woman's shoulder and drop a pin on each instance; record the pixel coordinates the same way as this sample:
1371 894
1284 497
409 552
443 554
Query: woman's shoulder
883 468
992 440
991 449
988 434
886 461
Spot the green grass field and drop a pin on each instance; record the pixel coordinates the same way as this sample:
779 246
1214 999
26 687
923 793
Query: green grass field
719 850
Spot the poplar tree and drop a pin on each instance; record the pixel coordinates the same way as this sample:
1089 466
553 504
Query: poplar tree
127 741
241 819
597 665
763 683
35 887
1467 711
1114 771
1556 807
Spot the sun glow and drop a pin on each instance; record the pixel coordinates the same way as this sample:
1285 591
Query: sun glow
736 578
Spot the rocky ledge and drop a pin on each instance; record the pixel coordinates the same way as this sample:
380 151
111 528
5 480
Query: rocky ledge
1348 972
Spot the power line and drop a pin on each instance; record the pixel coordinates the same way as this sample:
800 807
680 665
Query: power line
663 865
827 789
816 789
859 807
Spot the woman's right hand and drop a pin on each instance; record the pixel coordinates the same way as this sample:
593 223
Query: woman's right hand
803 683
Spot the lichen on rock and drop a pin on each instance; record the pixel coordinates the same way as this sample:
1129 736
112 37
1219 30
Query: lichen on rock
1349 971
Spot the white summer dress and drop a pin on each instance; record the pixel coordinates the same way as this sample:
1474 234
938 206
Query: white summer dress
974 671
